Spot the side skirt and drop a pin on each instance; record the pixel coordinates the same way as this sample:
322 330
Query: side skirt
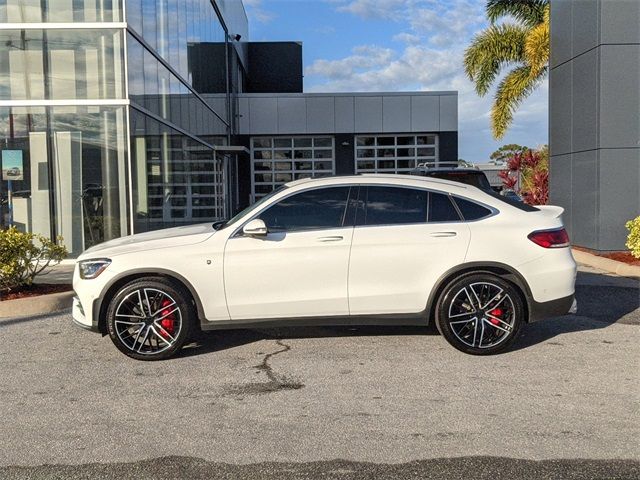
401 319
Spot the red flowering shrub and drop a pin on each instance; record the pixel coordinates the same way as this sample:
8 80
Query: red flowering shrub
532 168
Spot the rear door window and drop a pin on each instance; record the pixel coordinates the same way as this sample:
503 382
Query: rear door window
393 206
441 208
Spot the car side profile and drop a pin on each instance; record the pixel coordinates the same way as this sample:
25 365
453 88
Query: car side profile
366 249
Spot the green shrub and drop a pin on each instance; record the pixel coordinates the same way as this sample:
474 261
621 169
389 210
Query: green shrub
25 255
633 240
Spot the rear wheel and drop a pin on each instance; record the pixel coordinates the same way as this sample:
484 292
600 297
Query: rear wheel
150 318
480 314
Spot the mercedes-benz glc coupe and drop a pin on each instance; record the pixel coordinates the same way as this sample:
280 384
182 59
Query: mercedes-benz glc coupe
367 249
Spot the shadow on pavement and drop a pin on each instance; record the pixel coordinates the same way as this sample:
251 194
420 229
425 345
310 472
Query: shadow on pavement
602 301
479 468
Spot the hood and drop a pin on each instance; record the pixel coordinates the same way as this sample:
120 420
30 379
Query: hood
169 237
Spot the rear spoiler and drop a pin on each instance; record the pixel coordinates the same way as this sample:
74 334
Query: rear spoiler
551 211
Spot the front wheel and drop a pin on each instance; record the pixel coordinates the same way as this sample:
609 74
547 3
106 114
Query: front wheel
150 318
480 314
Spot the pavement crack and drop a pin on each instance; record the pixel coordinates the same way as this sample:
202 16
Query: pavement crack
275 381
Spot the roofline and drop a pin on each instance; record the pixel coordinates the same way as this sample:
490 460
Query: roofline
371 177
439 93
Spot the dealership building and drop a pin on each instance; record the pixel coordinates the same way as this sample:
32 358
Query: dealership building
594 118
123 116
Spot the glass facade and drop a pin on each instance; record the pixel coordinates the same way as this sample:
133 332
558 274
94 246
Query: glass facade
394 153
114 134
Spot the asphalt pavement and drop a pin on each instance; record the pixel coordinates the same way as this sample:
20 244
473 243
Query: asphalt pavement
352 402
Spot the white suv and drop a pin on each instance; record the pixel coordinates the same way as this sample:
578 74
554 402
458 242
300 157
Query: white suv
369 249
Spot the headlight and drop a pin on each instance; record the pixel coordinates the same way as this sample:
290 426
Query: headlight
92 268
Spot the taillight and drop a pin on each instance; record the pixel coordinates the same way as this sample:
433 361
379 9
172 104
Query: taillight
550 238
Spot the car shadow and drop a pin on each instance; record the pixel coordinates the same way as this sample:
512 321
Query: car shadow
602 301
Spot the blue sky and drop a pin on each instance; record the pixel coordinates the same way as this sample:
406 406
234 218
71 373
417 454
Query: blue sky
396 45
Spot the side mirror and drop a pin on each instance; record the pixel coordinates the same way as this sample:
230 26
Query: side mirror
255 228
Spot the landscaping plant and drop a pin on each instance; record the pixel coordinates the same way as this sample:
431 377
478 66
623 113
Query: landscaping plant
633 240
532 168
25 255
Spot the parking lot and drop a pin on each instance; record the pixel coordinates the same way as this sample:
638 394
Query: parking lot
361 402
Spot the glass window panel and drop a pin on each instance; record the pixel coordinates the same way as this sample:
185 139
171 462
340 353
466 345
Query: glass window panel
386 164
282 165
263 177
323 142
302 153
304 165
386 152
426 140
323 165
367 165
323 153
261 166
283 177
365 141
281 154
390 205
29 11
386 141
406 152
302 142
426 152
314 209
406 140
441 209
366 153
282 142
261 142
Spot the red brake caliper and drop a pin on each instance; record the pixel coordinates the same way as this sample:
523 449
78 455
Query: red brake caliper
168 323
496 312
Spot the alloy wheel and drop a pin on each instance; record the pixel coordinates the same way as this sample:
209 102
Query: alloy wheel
481 315
148 321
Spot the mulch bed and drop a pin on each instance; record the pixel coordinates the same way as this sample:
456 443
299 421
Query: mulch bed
35 290
624 257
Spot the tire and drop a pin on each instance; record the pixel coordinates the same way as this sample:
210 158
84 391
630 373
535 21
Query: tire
167 323
480 314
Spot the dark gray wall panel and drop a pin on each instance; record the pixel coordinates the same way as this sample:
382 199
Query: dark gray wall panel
425 114
345 115
345 164
292 114
263 115
243 112
448 112
368 114
619 96
448 146
561 42
560 119
320 115
619 195
585 25
275 67
396 115
584 190
560 186
620 21
585 102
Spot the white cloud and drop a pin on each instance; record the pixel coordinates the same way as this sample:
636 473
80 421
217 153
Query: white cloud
256 12
430 58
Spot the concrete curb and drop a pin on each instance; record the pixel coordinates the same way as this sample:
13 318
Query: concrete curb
39 305
606 264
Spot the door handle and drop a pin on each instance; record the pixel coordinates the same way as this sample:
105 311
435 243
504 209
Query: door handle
443 234
333 238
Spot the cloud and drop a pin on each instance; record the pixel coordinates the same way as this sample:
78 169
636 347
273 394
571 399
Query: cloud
430 57
256 12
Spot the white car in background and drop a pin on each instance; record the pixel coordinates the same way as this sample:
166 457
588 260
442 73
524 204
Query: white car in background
367 249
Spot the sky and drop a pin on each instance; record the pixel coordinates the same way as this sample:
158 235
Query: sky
397 45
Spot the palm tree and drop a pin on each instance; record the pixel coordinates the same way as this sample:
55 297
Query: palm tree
522 45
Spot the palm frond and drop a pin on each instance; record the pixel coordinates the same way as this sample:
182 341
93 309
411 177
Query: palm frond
491 50
512 90
536 46
528 12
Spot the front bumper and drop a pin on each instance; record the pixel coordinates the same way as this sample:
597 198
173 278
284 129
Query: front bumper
552 308
79 317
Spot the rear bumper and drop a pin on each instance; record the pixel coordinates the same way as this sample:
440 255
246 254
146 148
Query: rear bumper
552 308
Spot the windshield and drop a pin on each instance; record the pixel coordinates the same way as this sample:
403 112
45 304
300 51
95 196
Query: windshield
239 215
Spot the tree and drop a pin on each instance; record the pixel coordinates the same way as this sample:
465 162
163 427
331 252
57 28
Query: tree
505 152
521 44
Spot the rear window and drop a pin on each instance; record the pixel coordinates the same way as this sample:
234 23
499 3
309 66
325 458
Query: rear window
471 210
514 203
477 179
